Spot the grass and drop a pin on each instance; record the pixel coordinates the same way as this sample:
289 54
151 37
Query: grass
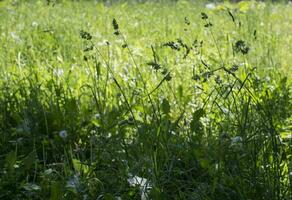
145 100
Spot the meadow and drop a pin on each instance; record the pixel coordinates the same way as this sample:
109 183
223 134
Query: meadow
151 100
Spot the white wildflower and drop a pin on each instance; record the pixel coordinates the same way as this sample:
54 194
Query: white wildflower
34 24
210 6
225 110
63 134
97 116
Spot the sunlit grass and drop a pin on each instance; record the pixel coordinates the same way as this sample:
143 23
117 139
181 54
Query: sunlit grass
192 99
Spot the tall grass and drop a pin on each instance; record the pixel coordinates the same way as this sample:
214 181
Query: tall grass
145 101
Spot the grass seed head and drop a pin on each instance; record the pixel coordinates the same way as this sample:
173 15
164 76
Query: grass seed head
85 35
241 46
204 16
115 26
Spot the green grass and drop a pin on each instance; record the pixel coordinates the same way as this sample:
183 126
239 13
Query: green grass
195 101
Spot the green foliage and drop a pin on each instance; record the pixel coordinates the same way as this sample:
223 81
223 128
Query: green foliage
146 100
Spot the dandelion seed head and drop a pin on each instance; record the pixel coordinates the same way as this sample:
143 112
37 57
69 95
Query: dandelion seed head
63 134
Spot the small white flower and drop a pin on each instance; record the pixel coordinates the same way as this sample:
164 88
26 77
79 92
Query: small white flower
210 6
63 134
97 116
225 110
34 24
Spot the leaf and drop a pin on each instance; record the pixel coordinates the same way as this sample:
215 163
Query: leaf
73 184
165 106
196 125
48 172
97 68
180 91
80 167
31 187
205 163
